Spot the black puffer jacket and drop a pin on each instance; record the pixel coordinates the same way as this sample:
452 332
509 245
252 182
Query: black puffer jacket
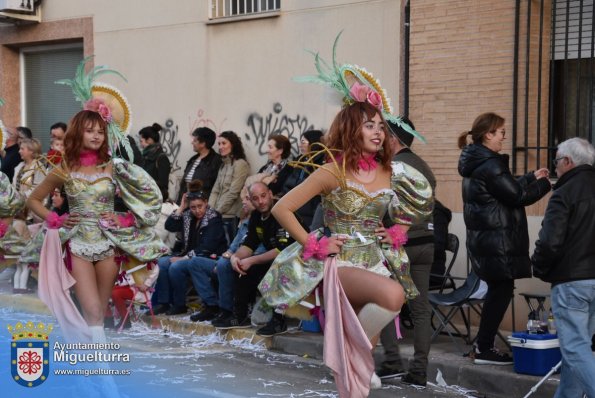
565 250
494 212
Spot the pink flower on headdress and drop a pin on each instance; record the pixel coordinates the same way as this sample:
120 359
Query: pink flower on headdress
106 114
359 92
375 99
362 93
97 105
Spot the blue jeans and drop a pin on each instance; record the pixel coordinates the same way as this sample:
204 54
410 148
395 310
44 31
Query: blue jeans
201 272
227 283
573 305
171 282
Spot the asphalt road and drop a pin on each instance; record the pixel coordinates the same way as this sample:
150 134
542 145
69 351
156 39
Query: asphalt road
165 365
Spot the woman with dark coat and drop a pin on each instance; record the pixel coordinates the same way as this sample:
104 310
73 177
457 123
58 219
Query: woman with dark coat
308 143
156 162
497 233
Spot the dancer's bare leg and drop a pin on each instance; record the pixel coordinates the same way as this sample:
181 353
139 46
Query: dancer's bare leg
106 273
93 286
363 287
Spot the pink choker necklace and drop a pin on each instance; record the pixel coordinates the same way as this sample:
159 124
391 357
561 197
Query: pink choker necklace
89 158
367 163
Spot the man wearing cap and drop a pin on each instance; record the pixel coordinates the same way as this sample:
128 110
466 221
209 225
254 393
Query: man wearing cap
420 250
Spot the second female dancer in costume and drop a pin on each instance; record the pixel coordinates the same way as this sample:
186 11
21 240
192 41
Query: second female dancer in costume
92 233
358 186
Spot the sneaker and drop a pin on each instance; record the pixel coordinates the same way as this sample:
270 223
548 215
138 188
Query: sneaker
492 357
177 310
208 314
275 326
389 370
159 309
416 379
375 383
220 316
233 322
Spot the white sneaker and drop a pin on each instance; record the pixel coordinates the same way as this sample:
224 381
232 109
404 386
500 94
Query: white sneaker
375 383
8 273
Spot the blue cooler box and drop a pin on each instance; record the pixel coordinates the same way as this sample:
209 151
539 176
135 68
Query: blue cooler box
535 354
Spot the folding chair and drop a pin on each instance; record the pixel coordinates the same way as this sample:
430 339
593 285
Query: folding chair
447 282
469 295
131 312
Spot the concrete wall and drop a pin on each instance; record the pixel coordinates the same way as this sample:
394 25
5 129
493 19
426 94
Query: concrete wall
227 76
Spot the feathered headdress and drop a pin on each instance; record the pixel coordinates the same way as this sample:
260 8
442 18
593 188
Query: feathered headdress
104 99
3 133
355 84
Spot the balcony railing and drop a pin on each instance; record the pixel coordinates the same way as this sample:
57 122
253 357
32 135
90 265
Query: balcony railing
240 8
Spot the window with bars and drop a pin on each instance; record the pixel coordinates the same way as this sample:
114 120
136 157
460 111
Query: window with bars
554 79
239 8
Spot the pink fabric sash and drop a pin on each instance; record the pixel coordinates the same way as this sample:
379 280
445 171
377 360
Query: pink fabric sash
347 350
54 290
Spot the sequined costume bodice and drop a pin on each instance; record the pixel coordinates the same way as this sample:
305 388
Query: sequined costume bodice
89 196
355 213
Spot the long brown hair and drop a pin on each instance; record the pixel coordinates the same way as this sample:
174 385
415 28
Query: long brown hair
485 123
73 140
345 134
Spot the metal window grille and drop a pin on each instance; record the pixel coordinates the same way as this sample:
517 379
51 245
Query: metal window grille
236 8
553 93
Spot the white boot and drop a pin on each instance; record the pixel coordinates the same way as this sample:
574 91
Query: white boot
374 318
97 334
375 383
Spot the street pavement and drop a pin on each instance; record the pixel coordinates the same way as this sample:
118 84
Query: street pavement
194 360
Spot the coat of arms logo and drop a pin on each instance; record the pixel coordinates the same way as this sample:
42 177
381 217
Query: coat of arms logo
30 353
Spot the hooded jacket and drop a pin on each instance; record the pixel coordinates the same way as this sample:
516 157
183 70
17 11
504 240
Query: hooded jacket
565 250
494 213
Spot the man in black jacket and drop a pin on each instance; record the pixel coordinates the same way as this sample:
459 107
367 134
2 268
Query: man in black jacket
420 250
565 256
203 166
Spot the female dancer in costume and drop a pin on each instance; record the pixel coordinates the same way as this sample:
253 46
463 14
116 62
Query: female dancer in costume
92 230
357 190
11 204
359 186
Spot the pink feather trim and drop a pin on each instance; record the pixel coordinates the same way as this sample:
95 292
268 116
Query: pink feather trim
397 235
127 221
54 221
315 248
3 229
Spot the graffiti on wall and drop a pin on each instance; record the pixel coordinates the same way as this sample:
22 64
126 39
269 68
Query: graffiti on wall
275 123
170 141
200 120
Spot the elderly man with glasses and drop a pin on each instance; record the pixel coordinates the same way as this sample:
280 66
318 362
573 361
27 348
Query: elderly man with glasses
564 256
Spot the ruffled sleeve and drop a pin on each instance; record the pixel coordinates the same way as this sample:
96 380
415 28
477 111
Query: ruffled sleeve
414 199
139 192
11 202
142 196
